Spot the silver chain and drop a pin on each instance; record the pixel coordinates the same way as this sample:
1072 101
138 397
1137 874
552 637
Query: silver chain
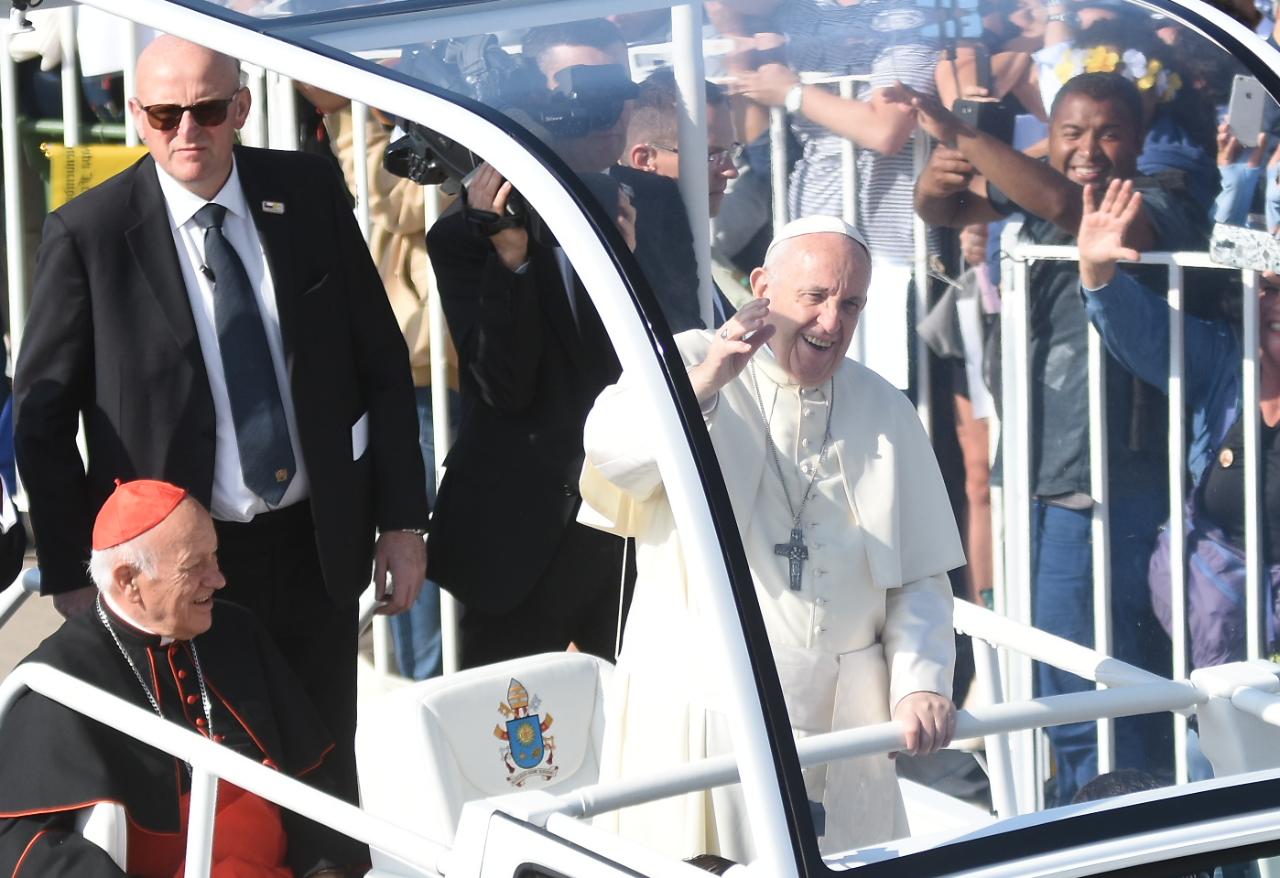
155 705
767 420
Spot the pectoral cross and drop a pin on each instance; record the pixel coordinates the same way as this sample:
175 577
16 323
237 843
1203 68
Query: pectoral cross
796 554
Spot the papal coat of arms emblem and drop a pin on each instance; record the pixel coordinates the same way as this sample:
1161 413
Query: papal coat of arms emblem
530 751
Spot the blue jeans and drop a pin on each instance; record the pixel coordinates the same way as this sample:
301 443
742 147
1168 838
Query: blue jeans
1062 603
416 632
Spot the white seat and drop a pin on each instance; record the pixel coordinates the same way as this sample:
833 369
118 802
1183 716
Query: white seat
530 724
105 825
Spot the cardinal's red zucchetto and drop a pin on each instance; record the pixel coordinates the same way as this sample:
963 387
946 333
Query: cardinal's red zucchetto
132 510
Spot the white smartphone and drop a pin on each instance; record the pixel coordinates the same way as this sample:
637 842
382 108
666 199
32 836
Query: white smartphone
1244 113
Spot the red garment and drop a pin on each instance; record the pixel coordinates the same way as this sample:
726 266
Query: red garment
248 840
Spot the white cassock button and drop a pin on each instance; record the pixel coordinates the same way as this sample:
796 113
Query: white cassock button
820 630
808 412
804 443
819 571
806 468
820 601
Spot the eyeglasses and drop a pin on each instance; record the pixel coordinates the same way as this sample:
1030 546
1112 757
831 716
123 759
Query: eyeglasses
716 159
206 114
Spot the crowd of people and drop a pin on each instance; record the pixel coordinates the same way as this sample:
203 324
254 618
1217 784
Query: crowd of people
252 376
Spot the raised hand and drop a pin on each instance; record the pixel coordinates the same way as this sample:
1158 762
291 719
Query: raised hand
768 85
1102 231
489 191
940 123
946 173
732 347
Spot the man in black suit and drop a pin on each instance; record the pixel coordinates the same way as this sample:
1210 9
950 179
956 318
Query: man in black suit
214 316
533 356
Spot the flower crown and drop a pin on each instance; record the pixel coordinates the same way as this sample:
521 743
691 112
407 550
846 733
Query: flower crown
1146 74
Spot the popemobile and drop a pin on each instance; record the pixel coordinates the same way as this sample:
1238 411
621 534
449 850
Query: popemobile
507 769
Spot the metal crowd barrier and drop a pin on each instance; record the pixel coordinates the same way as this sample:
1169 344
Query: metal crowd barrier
1014 583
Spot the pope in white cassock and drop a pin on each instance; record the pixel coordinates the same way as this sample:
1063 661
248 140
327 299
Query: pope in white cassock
848 532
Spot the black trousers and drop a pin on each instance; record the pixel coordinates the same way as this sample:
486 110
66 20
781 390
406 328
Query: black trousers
575 601
273 569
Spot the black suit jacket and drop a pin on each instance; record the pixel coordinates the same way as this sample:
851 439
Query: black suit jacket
664 249
529 375
111 336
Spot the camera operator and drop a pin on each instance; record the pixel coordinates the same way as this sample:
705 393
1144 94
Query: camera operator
533 356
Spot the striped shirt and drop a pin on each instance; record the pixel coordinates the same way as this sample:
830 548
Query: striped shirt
882 40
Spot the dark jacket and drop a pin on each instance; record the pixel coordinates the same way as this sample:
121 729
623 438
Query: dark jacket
111 336
529 372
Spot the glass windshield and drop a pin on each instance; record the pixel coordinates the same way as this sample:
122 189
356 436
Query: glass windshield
902 394
952 136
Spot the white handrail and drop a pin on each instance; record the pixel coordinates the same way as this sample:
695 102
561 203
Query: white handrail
11 599
1041 646
887 737
1004 792
1264 705
205 756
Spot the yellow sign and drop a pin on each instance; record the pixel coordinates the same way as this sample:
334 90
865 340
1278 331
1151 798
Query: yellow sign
74 169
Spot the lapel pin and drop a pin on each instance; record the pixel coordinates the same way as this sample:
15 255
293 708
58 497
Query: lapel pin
273 207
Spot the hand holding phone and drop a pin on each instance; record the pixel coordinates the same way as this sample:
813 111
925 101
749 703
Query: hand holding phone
1244 112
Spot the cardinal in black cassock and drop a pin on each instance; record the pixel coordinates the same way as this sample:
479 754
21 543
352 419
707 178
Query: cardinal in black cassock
157 638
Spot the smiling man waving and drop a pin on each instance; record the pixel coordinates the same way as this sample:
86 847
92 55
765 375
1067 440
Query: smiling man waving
847 530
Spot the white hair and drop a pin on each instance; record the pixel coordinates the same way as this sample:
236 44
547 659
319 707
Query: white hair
133 553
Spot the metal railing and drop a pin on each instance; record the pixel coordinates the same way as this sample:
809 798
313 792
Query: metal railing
1129 691
1014 591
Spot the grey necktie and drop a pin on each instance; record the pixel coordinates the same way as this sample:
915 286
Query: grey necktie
266 456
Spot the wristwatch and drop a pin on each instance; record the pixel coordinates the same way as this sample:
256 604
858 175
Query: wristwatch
794 98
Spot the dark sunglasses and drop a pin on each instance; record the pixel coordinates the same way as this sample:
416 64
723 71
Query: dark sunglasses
206 114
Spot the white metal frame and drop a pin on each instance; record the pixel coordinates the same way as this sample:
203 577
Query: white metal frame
210 761
1016 427
1135 691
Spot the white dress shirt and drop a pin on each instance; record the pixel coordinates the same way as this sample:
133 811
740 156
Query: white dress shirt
232 500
